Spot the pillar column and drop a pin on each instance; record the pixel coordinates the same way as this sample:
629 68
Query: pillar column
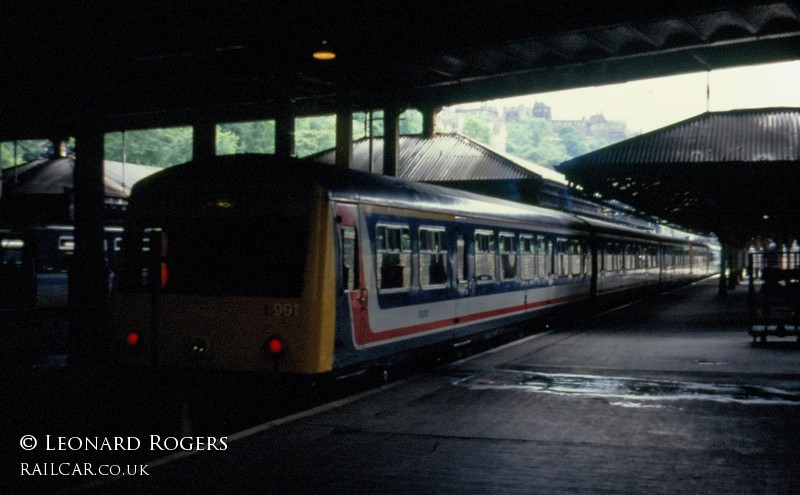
88 273
391 141
344 138
204 140
284 132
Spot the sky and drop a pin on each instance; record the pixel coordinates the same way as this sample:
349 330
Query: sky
650 104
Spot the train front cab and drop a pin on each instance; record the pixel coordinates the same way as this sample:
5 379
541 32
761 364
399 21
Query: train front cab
224 290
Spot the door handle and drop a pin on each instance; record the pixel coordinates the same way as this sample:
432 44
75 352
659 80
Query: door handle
362 298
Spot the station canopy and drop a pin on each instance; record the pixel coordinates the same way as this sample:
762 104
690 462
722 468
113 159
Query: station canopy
125 64
735 173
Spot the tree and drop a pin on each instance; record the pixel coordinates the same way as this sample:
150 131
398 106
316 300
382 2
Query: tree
246 137
574 143
314 134
159 147
477 130
26 150
411 122
535 140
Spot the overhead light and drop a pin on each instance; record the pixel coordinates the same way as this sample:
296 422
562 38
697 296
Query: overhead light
324 52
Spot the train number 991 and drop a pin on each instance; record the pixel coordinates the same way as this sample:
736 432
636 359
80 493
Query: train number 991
288 309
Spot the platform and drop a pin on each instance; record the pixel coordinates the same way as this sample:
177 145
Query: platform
664 396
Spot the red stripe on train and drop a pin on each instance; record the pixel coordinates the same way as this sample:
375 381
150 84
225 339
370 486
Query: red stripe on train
364 334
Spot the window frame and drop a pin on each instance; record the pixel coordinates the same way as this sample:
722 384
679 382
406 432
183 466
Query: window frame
439 250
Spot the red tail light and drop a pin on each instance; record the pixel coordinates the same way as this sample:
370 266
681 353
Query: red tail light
133 339
164 275
274 347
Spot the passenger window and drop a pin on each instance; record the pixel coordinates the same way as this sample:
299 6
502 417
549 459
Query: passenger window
484 256
579 259
432 257
527 257
393 257
461 259
349 258
562 255
544 256
630 257
508 256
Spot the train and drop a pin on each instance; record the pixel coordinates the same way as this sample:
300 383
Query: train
35 262
281 266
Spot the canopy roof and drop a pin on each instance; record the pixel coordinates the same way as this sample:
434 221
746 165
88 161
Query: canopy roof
736 174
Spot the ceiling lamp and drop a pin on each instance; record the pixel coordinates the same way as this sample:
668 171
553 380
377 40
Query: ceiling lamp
324 52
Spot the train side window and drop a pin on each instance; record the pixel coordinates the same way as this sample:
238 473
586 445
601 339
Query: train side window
652 255
11 252
393 257
613 257
66 250
432 257
527 257
629 262
349 258
485 256
562 257
508 256
462 275
544 256
576 259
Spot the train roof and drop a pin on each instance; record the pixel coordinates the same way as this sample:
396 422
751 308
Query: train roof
271 180
258 174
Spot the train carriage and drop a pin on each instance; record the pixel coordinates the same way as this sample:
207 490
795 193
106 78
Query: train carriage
267 264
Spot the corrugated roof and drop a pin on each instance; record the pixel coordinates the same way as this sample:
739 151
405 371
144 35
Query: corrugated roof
444 157
735 173
770 134
55 175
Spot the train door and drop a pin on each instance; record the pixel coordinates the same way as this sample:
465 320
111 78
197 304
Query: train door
154 279
355 300
465 280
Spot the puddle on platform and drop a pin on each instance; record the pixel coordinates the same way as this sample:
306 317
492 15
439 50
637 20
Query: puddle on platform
627 392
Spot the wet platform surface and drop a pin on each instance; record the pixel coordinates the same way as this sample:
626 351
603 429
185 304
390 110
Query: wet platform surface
664 396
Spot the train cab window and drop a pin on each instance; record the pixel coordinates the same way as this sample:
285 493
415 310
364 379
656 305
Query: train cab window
527 257
508 256
393 257
432 257
349 258
243 256
485 250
